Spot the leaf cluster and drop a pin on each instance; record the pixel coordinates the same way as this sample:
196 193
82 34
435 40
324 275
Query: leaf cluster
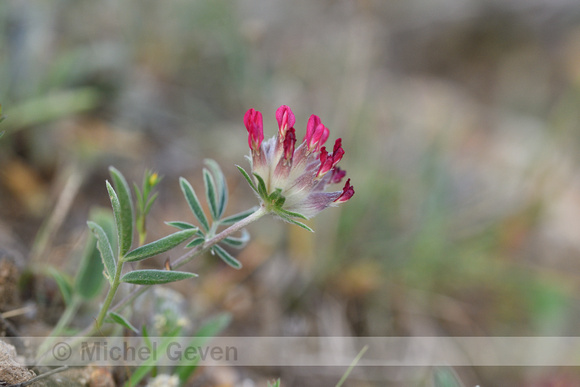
216 195
123 211
114 240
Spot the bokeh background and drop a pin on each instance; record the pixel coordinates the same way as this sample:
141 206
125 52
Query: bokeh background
461 125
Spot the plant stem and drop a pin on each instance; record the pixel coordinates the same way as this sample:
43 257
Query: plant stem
352 365
185 258
111 294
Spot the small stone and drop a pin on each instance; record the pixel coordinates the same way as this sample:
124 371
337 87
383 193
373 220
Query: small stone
11 372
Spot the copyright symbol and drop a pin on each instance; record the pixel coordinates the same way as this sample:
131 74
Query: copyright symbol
61 351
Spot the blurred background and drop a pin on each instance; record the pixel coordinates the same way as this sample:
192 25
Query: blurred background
461 125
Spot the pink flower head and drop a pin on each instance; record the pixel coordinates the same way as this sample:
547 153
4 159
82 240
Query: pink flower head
291 180
255 127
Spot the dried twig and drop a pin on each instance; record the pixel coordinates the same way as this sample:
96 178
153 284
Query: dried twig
39 377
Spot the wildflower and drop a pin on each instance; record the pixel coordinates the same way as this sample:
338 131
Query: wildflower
291 180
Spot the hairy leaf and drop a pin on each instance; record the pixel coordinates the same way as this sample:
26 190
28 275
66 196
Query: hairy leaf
227 257
290 213
155 277
238 242
195 242
182 225
293 221
262 190
221 185
159 246
210 193
125 220
87 284
117 318
105 249
194 203
248 178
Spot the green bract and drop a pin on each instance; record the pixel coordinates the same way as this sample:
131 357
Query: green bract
273 202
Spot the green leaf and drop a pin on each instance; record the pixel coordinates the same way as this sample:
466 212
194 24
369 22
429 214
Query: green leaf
351 366
117 318
210 193
276 383
159 246
238 242
155 277
194 203
221 185
202 337
248 178
227 257
195 242
105 249
125 220
87 284
445 377
292 214
262 190
290 220
182 225
63 283
239 216
145 334
116 210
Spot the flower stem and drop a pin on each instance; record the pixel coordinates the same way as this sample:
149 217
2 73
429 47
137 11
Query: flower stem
185 258
110 295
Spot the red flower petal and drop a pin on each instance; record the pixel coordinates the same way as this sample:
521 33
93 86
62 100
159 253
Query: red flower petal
346 194
285 119
255 127
289 143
